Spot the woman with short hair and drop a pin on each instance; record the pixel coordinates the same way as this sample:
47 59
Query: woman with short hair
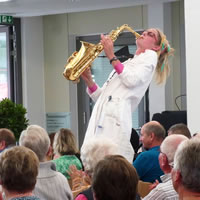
18 173
114 178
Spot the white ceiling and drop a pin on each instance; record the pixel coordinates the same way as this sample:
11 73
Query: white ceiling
26 8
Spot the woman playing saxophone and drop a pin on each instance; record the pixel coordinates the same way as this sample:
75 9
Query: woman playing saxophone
125 87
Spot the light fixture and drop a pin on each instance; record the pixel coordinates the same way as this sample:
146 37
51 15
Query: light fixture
1 1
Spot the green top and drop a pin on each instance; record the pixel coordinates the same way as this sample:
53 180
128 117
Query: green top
63 163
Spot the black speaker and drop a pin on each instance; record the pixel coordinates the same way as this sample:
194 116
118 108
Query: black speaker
169 118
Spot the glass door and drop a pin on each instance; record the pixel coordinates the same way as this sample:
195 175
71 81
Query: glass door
10 62
4 63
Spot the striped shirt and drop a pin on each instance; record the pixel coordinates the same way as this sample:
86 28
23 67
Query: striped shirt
164 190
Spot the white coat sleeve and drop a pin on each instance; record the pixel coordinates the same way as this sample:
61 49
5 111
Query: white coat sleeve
95 95
139 71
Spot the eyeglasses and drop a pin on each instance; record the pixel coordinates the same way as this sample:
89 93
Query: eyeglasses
170 163
150 34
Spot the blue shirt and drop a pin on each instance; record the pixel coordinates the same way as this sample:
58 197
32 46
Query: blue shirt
147 165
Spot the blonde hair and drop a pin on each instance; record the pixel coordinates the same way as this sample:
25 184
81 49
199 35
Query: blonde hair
163 68
64 143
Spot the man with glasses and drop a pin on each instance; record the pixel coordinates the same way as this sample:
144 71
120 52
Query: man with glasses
165 190
186 171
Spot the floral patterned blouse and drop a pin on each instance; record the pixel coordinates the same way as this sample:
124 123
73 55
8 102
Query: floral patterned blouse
63 163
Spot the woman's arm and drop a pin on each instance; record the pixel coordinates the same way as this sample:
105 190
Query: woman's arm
87 77
109 51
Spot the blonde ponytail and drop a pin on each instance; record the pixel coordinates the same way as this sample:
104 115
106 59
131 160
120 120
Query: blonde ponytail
163 68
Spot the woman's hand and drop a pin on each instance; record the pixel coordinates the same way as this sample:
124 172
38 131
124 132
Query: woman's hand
87 77
78 177
108 46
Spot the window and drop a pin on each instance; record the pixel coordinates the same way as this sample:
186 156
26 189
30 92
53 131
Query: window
4 64
10 62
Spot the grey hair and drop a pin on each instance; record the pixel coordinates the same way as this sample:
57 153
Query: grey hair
170 145
36 138
94 150
187 162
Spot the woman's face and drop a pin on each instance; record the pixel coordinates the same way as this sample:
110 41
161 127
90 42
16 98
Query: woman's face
149 40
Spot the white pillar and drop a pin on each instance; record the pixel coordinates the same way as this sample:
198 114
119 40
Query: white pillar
33 69
156 93
192 44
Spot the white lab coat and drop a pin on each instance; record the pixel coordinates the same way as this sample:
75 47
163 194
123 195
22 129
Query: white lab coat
118 98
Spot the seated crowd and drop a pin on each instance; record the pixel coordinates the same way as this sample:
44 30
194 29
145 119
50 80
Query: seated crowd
165 167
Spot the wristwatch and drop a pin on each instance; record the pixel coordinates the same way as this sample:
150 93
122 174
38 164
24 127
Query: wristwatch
113 59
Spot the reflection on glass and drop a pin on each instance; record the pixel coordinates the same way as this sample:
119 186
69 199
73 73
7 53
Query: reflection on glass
3 67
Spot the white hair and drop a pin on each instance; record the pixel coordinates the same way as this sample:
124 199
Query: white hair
94 150
170 145
187 162
35 138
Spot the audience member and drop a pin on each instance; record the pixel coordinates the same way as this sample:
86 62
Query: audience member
186 171
51 153
50 184
165 190
179 129
146 163
7 139
66 152
114 178
18 173
92 152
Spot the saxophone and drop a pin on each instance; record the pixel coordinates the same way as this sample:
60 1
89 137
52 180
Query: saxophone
79 61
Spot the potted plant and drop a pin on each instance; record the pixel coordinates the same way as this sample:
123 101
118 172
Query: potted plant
12 116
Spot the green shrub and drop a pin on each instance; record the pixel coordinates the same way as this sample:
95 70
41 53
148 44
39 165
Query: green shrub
12 116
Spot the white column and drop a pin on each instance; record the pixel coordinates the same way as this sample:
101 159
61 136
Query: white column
192 44
33 69
156 92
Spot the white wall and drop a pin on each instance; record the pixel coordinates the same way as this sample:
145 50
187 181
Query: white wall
33 69
192 32
103 21
55 57
156 92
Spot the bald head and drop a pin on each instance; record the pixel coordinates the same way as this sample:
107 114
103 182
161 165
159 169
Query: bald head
152 123
152 134
156 128
197 135
170 145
